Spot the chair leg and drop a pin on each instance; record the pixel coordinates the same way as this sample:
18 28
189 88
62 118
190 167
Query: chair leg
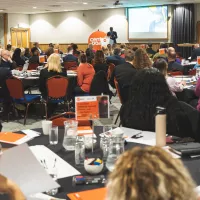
26 113
45 107
117 118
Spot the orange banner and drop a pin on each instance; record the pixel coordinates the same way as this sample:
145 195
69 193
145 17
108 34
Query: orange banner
41 59
96 39
161 51
198 60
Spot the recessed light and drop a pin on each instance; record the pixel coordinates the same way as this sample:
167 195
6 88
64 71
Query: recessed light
34 7
85 3
65 10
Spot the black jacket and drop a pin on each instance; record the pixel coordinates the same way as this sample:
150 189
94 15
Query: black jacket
100 66
44 76
195 53
174 66
34 60
113 36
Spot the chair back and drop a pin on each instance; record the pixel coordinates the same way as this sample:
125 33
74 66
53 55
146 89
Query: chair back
110 70
70 65
177 73
192 72
57 87
99 84
118 90
15 87
33 66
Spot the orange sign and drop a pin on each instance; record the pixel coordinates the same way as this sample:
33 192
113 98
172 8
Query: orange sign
97 38
161 51
198 60
41 59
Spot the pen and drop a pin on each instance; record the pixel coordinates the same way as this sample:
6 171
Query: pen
136 136
45 164
54 162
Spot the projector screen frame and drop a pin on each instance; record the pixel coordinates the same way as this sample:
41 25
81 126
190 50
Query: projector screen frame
147 39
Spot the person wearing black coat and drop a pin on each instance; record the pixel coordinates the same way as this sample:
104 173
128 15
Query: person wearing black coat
17 57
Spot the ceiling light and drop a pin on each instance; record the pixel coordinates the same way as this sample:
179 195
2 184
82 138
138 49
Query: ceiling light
85 3
65 10
1 10
34 7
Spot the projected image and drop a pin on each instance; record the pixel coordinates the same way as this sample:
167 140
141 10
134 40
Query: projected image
148 22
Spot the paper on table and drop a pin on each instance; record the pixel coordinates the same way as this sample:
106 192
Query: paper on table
63 168
148 138
31 133
21 166
41 196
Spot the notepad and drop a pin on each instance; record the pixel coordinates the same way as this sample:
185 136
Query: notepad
9 137
97 194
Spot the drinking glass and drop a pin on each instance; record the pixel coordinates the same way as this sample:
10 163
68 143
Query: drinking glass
52 171
107 129
80 151
104 145
70 135
53 135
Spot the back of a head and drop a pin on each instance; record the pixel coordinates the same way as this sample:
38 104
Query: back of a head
162 66
99 57
17 53
117 51
53 63
171 55
74 46
69 48
150 174
129 55
163 46
141 59
9 46
50 51
83 58
51 45
150 45
34 50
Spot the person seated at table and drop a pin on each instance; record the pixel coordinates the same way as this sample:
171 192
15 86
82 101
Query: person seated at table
49 51
141 59
85 74
75 50
195 52
150 173
115 59
9 188
27 53
100 62
90 53
172 50
34 59
172 64
53 68
22 54
57 46
162 66
36 44
70 57
17 57
6 60
162 46
124 75
150 50
149 89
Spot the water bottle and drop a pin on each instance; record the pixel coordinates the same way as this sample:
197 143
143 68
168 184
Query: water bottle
160 126
70 135
80 151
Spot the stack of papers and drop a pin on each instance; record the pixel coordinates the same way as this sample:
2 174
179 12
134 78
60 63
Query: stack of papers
63 168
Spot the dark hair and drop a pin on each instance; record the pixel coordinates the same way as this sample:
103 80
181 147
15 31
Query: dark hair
150 45
33 50
135 48
51 45
9 46
83 58
163 46
16 54
117 51
129 55
69 48
149 89
161 65
99 57
74 46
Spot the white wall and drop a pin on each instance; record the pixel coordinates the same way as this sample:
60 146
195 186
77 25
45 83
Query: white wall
76 27
17 20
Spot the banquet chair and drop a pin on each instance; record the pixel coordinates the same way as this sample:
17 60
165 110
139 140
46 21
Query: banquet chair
175 73
57 87
192 72
33 66
120 98
16 90
110 70
70 65
58 120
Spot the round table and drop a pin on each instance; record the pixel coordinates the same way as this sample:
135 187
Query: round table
193 165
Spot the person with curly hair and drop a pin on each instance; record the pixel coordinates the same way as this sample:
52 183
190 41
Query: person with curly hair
149 89
141 59
150 174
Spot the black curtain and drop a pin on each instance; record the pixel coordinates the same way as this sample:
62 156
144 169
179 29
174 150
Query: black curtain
183 28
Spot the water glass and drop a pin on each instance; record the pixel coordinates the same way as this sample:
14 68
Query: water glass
70 134
104 145
107 129
80 151
53 135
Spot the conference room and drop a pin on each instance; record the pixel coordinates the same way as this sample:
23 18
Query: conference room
99 100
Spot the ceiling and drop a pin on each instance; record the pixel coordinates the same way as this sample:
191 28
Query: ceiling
27 6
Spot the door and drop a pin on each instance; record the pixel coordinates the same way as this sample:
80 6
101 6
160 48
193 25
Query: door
20 37
198 32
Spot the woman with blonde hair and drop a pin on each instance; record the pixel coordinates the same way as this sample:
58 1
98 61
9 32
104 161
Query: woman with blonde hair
141 59
150 174
53 68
